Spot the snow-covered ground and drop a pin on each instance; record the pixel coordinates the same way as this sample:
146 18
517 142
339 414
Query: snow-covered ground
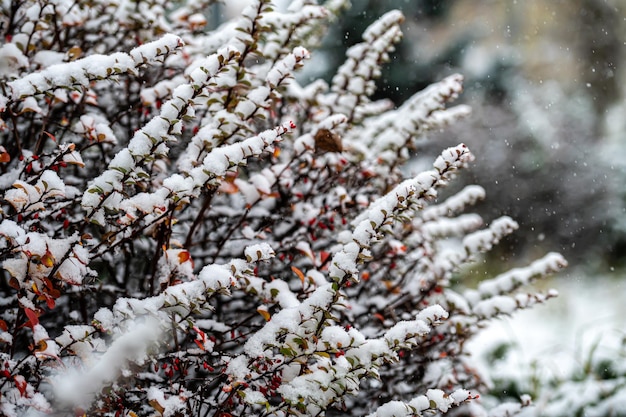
551 340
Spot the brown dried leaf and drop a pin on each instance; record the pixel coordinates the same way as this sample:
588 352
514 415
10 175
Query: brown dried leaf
327 141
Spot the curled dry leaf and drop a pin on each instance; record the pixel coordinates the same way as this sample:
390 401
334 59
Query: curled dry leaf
327 141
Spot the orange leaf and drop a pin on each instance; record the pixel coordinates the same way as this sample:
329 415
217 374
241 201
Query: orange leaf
379 316
42 345
5 157
228 187
298 273
262 310
75 52
48 259
155 404
3 325
183 256
393 288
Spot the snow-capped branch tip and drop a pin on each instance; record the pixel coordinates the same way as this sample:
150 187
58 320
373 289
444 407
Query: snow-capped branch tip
455 204
221 159
515 278
368 224
452 159
484 240
286 66
434 400
400 334
449 161
157 50
383 24
94 67
355 78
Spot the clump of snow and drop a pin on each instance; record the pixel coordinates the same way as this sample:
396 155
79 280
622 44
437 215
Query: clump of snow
260 252
77 388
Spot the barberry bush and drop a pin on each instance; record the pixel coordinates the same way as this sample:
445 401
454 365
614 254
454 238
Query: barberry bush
186 229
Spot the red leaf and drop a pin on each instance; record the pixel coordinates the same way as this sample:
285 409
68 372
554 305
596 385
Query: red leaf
20 384
32 317
51 136
324 256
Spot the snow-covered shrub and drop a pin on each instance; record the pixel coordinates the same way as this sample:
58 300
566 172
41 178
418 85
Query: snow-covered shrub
187 230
